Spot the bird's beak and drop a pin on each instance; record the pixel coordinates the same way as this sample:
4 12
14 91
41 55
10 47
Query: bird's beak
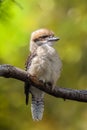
53 39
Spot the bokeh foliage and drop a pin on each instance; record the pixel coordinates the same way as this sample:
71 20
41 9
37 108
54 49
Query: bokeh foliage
68 19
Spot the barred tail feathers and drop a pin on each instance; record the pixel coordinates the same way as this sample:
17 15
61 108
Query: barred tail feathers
37 108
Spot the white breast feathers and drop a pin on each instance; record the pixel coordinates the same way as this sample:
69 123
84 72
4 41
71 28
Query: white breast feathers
46 66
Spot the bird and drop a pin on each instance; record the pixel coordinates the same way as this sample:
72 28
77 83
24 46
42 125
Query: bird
45 64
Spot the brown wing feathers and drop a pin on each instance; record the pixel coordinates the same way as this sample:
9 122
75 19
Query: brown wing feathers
27 85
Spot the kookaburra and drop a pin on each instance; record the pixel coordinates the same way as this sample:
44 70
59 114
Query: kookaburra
43 63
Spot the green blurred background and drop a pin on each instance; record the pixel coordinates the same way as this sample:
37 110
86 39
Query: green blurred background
68 19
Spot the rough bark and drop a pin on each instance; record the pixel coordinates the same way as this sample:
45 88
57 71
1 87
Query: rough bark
9 71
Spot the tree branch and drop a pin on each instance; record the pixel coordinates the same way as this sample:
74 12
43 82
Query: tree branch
9 71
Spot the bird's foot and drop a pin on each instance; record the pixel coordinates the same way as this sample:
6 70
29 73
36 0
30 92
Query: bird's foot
47 84
50 85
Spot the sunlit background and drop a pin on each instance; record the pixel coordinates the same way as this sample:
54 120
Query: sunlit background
68 19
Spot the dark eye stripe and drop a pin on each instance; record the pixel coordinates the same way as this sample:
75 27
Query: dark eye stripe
41 37
44 36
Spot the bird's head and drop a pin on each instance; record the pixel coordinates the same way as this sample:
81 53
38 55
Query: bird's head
42 37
